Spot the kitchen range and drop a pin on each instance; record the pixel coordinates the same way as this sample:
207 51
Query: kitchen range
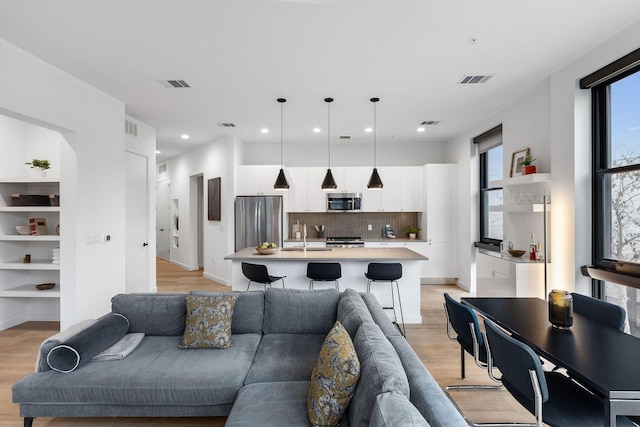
345 242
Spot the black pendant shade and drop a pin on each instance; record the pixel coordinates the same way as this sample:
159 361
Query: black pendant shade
281 181
329 183
375 183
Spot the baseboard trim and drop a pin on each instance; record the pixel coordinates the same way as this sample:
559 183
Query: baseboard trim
216 279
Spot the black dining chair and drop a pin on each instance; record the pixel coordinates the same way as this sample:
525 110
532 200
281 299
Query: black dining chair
258 273
464 322
600 311
551 397
387 272
324 272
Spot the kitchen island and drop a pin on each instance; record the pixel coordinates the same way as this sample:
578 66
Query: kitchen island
292 262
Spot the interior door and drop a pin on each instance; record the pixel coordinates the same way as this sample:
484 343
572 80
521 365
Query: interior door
163 219
137 224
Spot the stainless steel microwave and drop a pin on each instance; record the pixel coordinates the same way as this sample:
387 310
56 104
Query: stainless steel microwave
344 202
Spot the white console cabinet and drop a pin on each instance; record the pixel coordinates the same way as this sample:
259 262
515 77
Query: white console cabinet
500 275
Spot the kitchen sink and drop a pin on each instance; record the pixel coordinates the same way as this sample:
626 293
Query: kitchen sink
300 249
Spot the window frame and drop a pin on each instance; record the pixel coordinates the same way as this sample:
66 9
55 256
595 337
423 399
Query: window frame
484 188
606 268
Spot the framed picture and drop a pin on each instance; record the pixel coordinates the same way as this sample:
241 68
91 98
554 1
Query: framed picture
214 199
516 158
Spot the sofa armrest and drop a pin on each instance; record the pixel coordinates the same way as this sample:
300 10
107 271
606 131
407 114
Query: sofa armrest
54 340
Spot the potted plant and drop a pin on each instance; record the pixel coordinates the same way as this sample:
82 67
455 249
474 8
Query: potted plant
412 231
40 165
527 167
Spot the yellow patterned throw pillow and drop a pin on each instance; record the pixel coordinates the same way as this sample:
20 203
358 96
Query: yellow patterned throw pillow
208 322
334 378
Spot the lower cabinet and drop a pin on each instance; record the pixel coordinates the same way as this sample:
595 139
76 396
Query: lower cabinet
507 277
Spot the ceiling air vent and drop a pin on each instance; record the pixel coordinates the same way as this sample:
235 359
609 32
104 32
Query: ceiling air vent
472 80
130 128
174 84
429 123
226 125
344 137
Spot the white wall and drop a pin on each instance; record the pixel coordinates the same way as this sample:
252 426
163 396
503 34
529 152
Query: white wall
215 159
92 172
344 154
555 122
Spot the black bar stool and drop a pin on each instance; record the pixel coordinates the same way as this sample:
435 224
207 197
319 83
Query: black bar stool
387 272
324 272
258 273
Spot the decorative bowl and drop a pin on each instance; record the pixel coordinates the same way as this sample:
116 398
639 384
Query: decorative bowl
516 253
23 230
267 251
45 286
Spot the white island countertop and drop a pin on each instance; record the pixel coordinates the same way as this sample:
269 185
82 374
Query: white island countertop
329 254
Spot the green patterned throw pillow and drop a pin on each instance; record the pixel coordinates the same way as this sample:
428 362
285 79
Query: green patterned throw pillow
208 322
334 378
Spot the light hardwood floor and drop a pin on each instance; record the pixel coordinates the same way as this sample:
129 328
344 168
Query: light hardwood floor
18 348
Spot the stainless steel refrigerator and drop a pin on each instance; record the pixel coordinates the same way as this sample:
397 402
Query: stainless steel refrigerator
258 219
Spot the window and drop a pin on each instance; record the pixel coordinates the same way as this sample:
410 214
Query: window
491 167
616 183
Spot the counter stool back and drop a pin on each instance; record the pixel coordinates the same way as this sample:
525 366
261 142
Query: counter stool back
324 272
391 273
258 273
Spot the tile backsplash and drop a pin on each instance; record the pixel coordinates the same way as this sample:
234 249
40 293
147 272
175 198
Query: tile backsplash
355 223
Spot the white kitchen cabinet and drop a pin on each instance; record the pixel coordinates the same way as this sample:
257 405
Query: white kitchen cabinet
305 193
439 219
385 200
499 275
411 189
258 180
18 279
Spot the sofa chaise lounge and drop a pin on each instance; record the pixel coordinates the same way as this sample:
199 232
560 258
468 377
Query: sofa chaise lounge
263 379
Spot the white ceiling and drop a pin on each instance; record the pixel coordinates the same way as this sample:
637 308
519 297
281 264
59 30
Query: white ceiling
239 56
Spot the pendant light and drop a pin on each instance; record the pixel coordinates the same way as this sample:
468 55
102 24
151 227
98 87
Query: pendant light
375 183
281 182
329 183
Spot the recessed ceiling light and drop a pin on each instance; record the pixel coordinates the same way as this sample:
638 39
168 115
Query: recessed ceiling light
264 130
184 136
157 151
368 130
316 130
421 129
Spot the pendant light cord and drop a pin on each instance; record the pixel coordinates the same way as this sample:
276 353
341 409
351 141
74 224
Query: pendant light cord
375 150
281 143
329 101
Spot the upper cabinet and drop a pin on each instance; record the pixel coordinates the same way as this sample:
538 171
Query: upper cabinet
257 180
402 191
305 192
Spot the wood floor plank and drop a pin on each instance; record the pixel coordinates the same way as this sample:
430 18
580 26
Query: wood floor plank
19 345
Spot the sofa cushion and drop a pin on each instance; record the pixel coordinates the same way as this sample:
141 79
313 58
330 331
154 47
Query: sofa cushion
393 409
426 394
248 314
208 321
380 316
156 373
82 347
297 311
285 357
380 371
273 404
352 311
333 379
152 314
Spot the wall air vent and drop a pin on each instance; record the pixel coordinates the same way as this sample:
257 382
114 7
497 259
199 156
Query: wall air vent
345 137
226 125
130 128
429 123
174 84
472 80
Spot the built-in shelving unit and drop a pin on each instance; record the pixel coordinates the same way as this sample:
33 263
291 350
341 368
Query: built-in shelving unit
17 278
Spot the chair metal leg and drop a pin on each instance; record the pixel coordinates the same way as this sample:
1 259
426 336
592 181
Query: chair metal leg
462 366
404 332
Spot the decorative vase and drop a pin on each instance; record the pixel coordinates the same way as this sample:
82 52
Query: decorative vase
528 169
560 309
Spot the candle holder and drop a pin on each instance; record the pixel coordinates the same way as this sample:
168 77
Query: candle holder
560 309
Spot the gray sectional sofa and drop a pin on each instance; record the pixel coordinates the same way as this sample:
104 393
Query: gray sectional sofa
262 380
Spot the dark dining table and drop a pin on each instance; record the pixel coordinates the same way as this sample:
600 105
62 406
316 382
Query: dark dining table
600 357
